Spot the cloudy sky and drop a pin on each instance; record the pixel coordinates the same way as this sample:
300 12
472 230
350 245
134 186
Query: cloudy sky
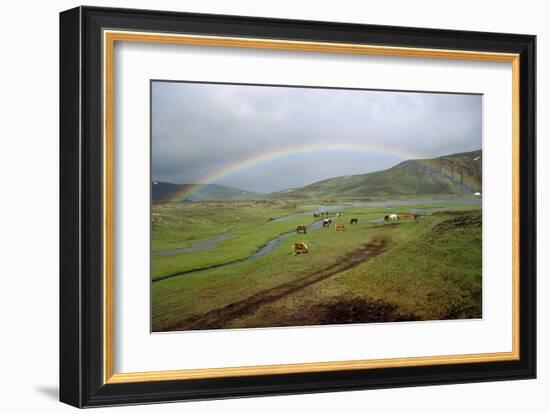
297 136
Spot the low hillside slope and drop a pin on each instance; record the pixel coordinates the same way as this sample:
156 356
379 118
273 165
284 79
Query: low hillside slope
455 174
163 191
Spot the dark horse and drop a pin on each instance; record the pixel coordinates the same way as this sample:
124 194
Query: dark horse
301 229
327 222
353 221
386 218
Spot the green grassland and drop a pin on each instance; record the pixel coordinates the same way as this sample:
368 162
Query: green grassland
422 269
249 224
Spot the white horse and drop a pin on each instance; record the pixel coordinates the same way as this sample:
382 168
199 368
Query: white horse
394 217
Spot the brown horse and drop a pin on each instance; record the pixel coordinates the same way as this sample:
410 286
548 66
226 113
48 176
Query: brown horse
340 227
299 248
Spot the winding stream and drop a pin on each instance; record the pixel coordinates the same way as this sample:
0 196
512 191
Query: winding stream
198 245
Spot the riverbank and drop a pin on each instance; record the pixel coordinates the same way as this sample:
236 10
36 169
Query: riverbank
249 231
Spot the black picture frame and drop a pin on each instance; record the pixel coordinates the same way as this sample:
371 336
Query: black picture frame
81 214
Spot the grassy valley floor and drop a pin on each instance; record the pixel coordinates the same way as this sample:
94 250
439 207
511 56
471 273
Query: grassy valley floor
375 271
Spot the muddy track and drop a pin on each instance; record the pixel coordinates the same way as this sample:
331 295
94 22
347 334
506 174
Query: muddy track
218 318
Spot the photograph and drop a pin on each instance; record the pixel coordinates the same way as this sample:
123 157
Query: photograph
291 205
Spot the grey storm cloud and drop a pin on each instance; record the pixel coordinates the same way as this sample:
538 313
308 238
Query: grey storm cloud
199 128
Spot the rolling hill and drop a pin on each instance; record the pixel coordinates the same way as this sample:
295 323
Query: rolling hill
162 191
455 174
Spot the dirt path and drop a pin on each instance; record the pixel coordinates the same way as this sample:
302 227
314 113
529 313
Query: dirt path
218 318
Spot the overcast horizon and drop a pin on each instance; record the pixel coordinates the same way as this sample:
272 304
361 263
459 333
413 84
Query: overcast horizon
266 138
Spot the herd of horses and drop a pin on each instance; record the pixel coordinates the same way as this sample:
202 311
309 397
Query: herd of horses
301 247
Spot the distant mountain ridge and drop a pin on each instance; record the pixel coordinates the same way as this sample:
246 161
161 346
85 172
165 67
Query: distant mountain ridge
163 191
454 174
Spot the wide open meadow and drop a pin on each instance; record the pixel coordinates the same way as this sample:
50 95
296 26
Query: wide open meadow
232 264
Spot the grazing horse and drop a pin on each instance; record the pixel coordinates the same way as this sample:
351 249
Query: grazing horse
301 229
386 218
340 227
393 217
327 222
338 215
299 248
316 215
353 221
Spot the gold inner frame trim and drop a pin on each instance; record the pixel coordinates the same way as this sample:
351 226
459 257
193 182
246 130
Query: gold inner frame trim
110 37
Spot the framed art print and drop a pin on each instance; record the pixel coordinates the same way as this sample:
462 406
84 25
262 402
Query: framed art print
259 206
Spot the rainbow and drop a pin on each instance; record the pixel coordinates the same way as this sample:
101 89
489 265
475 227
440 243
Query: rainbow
279 153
